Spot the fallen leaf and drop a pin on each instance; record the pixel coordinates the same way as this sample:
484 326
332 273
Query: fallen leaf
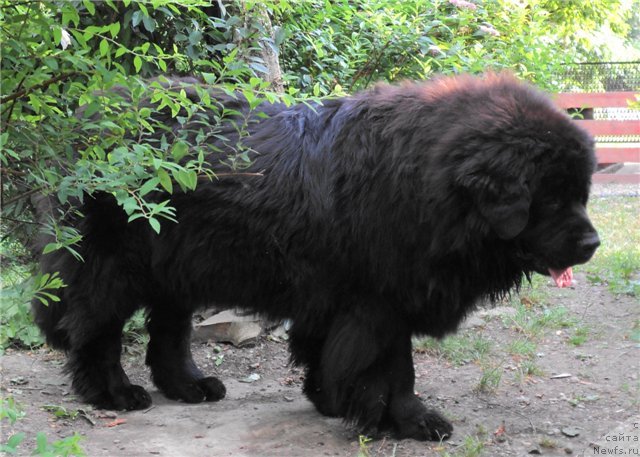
500 431
526 302
116 422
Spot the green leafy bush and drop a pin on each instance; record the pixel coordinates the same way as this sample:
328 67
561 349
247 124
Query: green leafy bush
80 116
348 44
81 113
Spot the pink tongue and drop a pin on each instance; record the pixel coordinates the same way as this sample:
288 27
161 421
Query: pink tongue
563 278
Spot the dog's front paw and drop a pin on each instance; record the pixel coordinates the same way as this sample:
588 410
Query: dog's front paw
426 426
193 390
411 419
123 398
213 388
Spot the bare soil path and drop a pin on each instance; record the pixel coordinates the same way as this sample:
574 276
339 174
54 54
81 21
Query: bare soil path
584 389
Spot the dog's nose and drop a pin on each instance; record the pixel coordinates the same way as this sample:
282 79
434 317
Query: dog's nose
590 243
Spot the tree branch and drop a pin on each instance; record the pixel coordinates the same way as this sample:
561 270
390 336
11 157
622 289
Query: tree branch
42 85
21 196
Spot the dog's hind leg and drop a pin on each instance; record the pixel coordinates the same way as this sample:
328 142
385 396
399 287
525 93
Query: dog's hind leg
345 379
367 375
86 322
98 377
306 350
169 356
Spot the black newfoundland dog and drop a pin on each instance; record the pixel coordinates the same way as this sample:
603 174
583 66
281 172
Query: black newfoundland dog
370 219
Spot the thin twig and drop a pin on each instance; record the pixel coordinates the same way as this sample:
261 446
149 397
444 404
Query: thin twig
18 87
15 228
8 171
21 196
223 175
369 67
19 221
24 23
384 441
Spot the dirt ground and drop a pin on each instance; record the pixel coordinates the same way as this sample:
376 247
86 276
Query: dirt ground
582 397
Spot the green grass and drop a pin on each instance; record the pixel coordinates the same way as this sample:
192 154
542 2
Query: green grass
463 349
472 446
522 348
579 336
457 349
532 322
524 353
554 317
529 368
364 449
491 376
535 293
617 262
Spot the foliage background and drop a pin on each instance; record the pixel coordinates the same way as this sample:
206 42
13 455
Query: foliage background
62 57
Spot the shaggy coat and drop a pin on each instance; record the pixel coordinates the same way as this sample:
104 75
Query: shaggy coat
370 219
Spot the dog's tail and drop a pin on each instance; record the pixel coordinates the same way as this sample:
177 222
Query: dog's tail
48 316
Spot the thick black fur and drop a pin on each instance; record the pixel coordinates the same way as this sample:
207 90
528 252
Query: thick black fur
374 218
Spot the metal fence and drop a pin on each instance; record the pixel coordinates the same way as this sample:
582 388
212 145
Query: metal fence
605 77
600 77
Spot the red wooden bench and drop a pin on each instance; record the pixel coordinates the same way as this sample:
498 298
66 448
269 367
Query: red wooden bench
608 152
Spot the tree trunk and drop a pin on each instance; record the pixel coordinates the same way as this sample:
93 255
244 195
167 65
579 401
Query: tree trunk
268 54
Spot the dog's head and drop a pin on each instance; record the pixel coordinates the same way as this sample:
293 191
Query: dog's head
530 178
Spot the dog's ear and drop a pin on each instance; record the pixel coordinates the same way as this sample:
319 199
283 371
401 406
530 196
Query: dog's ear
507 211
504 204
